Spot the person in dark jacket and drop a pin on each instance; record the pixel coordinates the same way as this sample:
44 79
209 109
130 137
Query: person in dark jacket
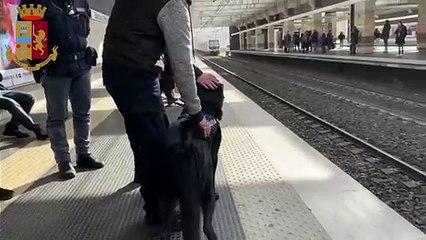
385 34
296 41
400 33
19 105
323 42
341 38
287 42
68 78
377 35
354 39
314 40
137 34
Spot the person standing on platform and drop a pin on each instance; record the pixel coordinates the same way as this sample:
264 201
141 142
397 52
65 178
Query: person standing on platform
341 38
400 33
385 34
68 78
287 42
354 40
377 36
137 34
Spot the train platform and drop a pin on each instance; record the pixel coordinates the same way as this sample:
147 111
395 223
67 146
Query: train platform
409 61
272 184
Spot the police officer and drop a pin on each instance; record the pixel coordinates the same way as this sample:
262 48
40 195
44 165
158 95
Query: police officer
137 35
68 78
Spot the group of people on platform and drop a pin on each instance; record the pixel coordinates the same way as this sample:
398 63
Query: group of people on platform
311 40
308 41
400 35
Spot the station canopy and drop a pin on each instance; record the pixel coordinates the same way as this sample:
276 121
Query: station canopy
223 13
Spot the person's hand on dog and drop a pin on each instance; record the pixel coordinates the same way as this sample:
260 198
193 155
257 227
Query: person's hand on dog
205 127
209 81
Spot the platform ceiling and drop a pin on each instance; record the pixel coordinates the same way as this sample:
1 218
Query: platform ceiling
223 13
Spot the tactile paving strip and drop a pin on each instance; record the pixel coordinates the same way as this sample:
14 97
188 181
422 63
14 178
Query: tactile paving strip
98 204
268 208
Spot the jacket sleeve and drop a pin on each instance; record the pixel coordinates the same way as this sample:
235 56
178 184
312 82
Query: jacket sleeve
89 16
173 20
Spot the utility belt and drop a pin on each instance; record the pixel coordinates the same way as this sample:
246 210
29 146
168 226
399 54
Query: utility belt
89 55
74 57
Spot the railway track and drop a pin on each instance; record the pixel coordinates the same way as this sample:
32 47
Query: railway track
402 107
396 182
409 100
417 174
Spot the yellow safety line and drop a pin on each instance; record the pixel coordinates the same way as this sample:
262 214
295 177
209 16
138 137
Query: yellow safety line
36 159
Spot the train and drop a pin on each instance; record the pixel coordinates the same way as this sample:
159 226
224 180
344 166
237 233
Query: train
214 47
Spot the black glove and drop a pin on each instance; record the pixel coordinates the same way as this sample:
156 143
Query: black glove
37 75
91 56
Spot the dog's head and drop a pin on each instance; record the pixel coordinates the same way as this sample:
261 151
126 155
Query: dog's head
211 100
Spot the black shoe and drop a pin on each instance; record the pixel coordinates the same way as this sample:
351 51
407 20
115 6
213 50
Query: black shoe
40 133
6 194
15 133
87 161
66 170
136 179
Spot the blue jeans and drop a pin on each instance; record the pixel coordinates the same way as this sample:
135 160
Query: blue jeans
58 90
138 98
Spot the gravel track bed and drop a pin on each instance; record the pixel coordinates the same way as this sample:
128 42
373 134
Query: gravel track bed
409 202
391 87
397 104
403 138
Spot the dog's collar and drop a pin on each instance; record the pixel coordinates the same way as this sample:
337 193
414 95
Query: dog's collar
210 118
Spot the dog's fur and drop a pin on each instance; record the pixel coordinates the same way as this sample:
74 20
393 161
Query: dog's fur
194 161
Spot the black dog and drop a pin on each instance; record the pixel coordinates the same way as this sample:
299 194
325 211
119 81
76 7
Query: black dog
194 161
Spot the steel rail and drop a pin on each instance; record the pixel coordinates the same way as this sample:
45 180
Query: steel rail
414 171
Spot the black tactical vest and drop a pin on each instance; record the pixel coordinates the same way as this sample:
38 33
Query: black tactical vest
133 38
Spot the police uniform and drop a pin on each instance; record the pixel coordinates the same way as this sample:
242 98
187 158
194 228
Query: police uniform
68 78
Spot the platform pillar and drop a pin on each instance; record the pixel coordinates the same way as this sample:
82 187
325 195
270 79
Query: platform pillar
317 22
364 21
271 39
288 26
248 39
241 36
421 27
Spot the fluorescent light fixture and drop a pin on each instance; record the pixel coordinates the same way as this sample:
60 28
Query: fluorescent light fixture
307 14
397 18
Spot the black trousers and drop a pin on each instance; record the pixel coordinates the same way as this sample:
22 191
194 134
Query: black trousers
19 105
166 83
137 96
353 48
